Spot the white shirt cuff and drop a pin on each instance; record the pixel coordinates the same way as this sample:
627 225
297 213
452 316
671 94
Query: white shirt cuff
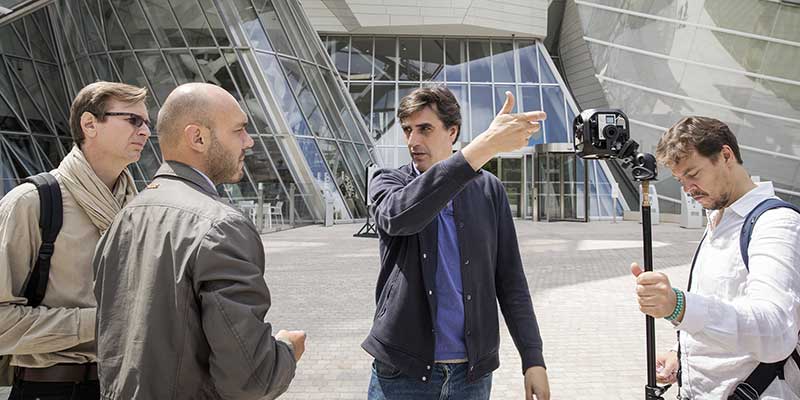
694 317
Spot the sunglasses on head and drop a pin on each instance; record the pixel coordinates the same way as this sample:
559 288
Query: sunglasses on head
134 119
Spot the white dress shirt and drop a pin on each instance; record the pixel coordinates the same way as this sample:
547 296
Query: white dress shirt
735 319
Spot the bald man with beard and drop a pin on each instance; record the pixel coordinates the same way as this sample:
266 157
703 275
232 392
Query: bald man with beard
179 275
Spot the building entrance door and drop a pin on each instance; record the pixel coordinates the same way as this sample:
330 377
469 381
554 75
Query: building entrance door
560 184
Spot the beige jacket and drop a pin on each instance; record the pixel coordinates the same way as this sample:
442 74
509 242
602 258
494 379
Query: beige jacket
182 299
61 330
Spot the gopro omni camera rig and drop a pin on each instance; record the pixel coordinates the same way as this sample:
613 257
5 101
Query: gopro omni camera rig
603 134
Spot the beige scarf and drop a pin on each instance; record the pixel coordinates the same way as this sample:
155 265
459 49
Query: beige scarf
99 203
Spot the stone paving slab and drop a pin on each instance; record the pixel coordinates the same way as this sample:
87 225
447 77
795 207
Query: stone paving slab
322 280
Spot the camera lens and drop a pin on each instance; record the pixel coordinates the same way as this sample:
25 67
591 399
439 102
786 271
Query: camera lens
610 132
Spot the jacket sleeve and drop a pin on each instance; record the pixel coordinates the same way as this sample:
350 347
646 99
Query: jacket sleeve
24 329
764 321
512 290
402 209
246 361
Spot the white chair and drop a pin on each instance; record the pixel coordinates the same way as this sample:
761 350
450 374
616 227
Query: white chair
276 210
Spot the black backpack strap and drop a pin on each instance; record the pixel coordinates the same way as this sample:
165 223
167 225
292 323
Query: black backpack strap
50 220
750 223
759 380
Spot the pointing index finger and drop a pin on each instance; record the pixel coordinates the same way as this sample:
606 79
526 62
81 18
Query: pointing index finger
532 116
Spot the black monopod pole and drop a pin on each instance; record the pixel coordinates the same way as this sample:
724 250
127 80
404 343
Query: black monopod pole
652 391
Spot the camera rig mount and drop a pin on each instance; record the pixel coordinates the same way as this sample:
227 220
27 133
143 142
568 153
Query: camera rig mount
605 133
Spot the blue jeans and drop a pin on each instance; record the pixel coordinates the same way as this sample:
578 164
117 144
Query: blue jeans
448 382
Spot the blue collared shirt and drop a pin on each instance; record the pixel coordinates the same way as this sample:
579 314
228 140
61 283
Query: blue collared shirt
450 344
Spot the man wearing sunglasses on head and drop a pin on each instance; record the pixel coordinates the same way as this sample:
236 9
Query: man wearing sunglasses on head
52 345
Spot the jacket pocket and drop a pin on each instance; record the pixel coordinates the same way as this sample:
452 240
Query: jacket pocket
385 371
390 286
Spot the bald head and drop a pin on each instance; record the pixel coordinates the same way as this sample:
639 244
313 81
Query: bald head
191 103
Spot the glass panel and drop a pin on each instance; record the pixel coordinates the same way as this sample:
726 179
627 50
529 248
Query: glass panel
555 124
547 73
781 61
528 67
50 149
481 108
252 25
315 161
361 59
480 68
362 96
23 154
339 49
311 37
343 179
348 116
460 93
8 121
261 170
786 24
511 177
183 66
503 60
164 25
135 24
279 87
39 45
102 64
128 68
385 59
409 59
115 37
432 59
158 74
356 166
279 11
456 60
306 98
251 104
37 121
383 112
326 102
272 24
192 23
88 22
216 22
213 67
10 42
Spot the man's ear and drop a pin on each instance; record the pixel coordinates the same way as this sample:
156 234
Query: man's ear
453 130
196 137
89 125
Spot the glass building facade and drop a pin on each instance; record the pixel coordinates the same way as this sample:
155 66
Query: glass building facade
310 143
735 60
381 70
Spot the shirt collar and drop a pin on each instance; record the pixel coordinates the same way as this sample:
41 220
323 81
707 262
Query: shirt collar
211 184
751 199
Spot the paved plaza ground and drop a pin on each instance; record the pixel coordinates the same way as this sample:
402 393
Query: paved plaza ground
322 280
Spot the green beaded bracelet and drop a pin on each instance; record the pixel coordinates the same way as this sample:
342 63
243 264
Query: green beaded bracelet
679 305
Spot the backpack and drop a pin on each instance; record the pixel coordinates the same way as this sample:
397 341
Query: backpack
51 215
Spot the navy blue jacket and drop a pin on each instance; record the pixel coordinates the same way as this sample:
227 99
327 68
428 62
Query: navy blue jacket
405 207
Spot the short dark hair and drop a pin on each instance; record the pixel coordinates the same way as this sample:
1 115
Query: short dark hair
702 134
439 98
94 99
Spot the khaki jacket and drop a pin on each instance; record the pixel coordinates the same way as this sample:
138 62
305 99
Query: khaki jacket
179 281
61 329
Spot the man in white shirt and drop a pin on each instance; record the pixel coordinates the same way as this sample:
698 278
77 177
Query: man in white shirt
730 319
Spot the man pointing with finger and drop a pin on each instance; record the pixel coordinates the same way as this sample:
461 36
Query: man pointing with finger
435 334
